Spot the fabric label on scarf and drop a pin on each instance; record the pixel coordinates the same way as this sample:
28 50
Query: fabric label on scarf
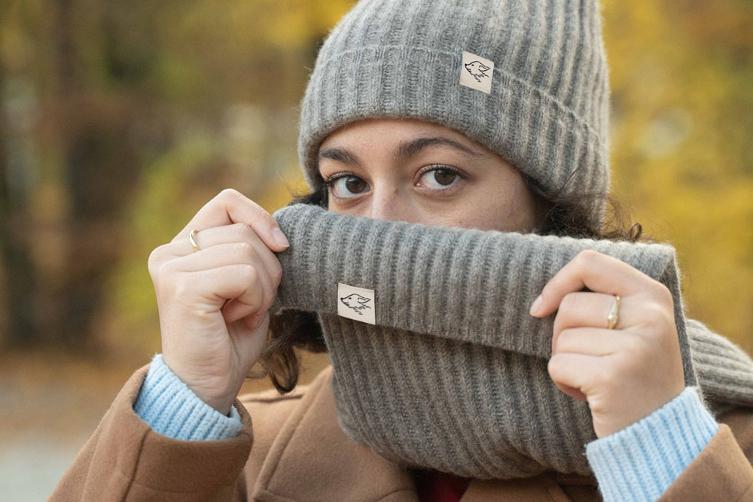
476 72
356 303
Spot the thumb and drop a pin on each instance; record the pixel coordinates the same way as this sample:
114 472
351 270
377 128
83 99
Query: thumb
251 334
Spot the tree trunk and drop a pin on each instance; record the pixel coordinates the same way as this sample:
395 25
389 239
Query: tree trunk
18 270
100 171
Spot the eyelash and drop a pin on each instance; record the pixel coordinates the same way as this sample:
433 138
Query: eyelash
332 178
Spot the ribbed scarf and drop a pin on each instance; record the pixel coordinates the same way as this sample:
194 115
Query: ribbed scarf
453 375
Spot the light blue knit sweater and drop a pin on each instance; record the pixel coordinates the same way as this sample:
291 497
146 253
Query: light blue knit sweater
637 463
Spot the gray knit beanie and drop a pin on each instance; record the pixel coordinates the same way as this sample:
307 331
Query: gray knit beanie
527 79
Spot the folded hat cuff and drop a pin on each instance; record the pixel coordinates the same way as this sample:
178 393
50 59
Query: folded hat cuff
523 124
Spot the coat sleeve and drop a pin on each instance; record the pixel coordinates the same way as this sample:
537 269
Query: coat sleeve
124 459
723 470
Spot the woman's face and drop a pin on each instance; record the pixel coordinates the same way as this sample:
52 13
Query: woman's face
421 172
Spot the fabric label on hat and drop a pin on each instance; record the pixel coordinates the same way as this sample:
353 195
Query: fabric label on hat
476 72
356 303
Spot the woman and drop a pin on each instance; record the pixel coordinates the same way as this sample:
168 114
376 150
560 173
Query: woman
485 115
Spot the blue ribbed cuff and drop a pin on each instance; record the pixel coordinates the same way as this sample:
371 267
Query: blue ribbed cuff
639 462
172 409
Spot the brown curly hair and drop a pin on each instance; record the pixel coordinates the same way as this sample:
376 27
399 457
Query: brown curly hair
567 215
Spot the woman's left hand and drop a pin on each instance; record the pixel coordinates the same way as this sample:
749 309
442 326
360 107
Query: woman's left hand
624 373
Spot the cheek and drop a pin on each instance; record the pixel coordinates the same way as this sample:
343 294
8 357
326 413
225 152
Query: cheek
480 213
505 206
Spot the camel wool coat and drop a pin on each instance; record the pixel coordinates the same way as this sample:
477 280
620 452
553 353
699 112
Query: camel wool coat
292 449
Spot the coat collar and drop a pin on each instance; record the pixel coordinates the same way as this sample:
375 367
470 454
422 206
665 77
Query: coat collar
311 458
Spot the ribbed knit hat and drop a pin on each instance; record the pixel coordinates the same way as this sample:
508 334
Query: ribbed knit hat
527 79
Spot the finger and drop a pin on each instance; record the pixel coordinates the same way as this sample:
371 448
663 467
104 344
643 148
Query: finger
235 233
217 256
212 236
574 373
234 310
232 282
593 270
591 310
228 253
232 253
238 308
235 252
248 339
591 341
259 320
230 206
254 320
244 233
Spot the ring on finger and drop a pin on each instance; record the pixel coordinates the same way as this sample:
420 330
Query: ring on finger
192 238
614 313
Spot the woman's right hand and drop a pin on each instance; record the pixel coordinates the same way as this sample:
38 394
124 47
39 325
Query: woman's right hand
213 303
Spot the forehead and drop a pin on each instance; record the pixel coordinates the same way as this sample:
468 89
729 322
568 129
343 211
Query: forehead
391 130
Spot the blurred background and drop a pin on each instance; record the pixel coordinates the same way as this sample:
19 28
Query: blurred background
119 120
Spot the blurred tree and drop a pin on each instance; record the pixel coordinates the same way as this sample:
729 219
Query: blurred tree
100 165
19 274
120 119
116 89
681 72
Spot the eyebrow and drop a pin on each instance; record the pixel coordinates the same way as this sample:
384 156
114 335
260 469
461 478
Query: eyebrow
404 150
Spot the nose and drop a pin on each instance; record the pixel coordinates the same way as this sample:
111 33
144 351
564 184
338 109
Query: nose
387 203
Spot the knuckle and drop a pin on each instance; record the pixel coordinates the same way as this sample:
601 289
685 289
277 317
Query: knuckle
561 321
276 273
587 255
663 293
236 228
246 249
267 298
153 261
248 273
656 314
246 232
565 340
555 366
569 302
242 229
229 194
166 272
180 285
634 346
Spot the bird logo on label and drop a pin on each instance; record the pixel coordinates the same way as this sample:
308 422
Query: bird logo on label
356 302
477 69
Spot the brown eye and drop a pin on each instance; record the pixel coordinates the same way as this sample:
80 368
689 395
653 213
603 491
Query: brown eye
444 176
346 186
440 178
354 185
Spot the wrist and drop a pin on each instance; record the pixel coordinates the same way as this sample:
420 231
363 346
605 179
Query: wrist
651 453
172 409
221 403
223 406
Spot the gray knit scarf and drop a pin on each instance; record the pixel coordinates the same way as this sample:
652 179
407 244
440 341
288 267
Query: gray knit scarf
437 363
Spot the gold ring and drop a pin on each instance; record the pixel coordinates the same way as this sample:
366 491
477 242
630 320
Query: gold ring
192 238
614 314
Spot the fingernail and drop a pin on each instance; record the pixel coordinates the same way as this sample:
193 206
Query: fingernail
279 237
536 304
